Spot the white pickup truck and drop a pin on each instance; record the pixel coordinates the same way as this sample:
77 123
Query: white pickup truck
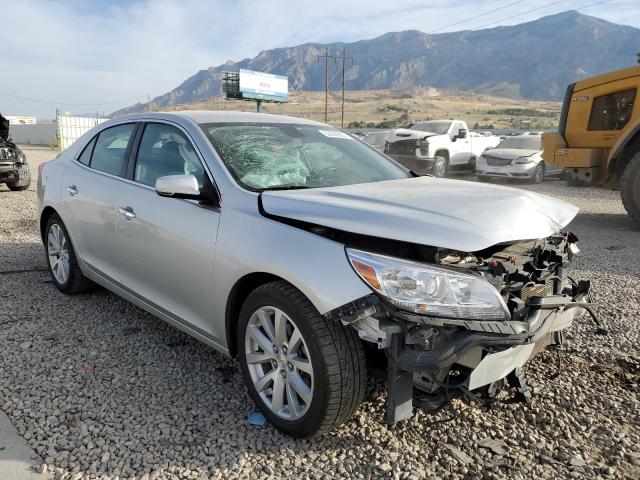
437 146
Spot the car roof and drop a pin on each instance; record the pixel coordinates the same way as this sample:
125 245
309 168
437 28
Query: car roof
214 116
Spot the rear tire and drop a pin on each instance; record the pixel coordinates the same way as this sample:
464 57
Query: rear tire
329 358
630 188
61 259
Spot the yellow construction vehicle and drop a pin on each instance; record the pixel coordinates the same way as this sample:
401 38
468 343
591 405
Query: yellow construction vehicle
598 140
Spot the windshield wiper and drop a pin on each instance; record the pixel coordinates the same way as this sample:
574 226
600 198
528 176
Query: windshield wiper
283 187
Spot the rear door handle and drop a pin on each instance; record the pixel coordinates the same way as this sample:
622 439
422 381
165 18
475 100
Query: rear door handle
72 190
127 212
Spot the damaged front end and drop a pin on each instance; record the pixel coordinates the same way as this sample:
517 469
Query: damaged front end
464 322
13 164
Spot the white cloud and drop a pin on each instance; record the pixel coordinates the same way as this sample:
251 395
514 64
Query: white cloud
75 52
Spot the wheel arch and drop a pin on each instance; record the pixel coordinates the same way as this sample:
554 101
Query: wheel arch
238 294
46 214
622 154
444 153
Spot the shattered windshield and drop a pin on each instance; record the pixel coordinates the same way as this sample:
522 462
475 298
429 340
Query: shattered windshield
269 156
439 128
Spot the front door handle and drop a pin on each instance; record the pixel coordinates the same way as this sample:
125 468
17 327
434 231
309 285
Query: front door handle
127 212
72 190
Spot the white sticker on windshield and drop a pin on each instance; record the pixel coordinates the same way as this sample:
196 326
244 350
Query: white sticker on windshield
334 134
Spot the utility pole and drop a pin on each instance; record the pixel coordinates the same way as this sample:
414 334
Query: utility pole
344 59
326 57
148 102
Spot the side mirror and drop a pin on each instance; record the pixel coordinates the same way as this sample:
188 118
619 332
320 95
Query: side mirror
462 133
178 186
186 186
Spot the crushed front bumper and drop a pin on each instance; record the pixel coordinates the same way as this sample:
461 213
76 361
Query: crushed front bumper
484 358
9 172
414 163
482 355
523 171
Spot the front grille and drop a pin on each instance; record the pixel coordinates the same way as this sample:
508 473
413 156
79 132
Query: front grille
402 147
544 342
497 162
537 290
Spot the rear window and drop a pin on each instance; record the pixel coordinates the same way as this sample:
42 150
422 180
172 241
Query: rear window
612 111
85 156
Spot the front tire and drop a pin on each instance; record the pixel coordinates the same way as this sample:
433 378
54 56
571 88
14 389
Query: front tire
439 168
61 259
23 183
538 174
630 187
305 373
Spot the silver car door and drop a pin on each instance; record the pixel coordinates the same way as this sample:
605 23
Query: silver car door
168 244
92 184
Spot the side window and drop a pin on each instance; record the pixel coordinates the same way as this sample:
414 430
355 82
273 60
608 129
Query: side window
612 111
165 150
85 156
109 154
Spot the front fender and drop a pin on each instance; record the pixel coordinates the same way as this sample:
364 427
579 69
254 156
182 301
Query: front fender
250 243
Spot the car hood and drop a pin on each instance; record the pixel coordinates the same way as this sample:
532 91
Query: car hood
407 134
509 153
453 214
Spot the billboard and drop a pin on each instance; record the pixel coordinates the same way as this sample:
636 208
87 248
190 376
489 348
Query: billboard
20 119
263 86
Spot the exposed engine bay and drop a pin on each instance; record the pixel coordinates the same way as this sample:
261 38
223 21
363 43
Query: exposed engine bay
14 170
443 356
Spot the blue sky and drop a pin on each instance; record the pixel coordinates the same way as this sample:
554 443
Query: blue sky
94 52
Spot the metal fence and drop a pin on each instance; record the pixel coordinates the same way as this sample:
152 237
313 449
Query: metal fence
72 128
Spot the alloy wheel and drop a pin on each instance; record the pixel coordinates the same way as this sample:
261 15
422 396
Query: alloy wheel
538 174
439 169
279 363
58 253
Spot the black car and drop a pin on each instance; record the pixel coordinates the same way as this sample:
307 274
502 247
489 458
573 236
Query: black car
14 170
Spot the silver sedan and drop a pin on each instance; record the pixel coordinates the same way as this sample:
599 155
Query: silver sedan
292 246
518 158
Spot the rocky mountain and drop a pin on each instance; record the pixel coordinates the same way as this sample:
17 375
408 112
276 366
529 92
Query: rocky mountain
532 60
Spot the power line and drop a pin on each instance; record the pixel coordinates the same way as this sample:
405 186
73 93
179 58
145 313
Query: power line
470 18
536 9
474 17
70 104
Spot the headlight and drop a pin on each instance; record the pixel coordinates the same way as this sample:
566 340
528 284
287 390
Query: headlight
429 290
423 145
523 161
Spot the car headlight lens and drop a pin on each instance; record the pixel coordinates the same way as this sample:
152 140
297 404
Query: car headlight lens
523 160
423 144
427 289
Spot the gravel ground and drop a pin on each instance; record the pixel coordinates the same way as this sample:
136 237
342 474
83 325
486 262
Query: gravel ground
101 389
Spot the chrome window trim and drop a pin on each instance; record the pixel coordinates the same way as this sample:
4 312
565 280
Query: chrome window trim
142 123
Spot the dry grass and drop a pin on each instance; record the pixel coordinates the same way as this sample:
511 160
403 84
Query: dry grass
400 107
